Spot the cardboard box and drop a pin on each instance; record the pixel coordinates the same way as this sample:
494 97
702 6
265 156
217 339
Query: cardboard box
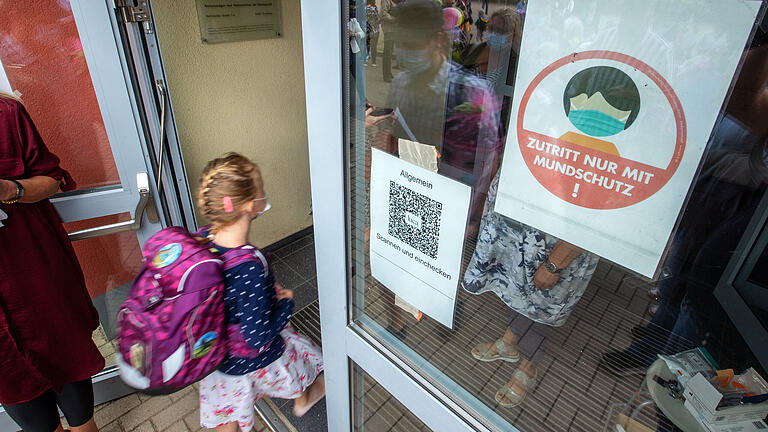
629 425
702 399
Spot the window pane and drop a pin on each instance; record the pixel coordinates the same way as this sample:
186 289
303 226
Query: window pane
375 410
548 335
42 56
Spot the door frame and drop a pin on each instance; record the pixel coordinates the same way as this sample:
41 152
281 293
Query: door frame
345 342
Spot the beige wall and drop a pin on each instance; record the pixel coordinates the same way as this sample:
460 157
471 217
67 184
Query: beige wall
246 97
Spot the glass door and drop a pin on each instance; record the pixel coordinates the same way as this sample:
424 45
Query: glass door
64 59
351 359
508 261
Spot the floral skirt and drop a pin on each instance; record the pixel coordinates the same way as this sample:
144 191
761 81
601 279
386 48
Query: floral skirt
230 398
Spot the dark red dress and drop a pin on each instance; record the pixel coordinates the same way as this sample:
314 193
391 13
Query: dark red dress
46 314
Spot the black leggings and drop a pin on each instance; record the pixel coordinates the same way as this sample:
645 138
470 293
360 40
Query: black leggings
40 414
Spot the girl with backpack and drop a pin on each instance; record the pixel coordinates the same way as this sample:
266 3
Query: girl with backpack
289 366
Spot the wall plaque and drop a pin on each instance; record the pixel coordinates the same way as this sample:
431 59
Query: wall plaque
233 20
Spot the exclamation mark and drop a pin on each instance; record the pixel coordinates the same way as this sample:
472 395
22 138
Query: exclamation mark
575 190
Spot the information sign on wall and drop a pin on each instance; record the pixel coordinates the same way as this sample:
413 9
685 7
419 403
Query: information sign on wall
613 106
238 20
418 219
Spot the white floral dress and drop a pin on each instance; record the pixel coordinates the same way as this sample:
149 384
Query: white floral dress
506 258
230 398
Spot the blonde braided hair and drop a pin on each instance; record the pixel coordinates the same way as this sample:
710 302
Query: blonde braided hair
232 175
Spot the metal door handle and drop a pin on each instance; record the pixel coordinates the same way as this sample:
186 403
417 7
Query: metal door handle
161 96
142 180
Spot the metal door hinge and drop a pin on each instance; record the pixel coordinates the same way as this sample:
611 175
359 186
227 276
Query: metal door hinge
133 13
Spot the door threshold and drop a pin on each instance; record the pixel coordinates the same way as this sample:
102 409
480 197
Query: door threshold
272 417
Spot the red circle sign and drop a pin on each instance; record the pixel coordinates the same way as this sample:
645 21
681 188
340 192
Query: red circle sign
588 177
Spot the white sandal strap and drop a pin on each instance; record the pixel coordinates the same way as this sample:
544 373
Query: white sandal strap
524 378
501 348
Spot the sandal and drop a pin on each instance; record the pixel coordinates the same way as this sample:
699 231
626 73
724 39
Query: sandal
507 392
504 352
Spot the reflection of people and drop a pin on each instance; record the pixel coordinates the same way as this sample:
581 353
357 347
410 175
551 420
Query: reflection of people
443 105
539 277
289 366
522 7
503 40
372 22
732 182
481 23
356 35
47 356
600 101
388 27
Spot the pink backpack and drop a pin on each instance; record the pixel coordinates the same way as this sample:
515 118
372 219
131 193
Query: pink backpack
172 328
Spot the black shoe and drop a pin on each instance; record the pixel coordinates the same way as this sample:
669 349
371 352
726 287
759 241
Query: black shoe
388 80
623 363
655 294
638 332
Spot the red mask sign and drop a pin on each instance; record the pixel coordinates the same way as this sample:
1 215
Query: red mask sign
614 104
583 166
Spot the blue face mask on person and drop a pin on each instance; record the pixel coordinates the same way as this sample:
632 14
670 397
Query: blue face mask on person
496 41
415 60
595 123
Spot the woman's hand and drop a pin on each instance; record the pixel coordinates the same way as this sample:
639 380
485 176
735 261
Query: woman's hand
374 120
543 279
7 190
36 189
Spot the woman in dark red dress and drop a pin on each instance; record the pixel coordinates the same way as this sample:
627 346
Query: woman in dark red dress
47 356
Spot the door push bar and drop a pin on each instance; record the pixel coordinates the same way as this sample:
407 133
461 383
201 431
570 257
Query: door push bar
142 181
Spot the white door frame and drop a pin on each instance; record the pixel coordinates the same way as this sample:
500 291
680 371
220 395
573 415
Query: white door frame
344 342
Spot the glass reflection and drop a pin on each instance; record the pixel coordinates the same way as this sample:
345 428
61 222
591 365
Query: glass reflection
568 337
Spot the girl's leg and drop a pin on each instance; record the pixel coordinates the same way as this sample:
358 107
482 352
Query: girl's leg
229 427
312 395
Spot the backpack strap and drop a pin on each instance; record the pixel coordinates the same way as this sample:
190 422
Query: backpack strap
203 231
234 257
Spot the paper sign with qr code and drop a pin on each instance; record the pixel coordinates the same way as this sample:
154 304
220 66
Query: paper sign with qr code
418 220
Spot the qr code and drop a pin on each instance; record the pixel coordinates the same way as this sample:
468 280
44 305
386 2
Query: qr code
414 219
